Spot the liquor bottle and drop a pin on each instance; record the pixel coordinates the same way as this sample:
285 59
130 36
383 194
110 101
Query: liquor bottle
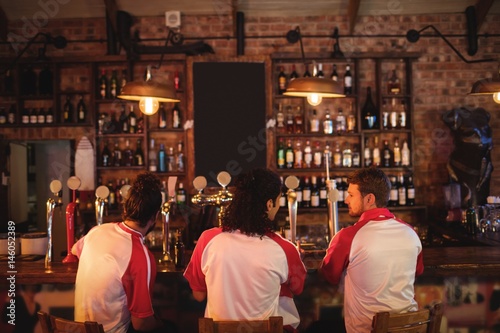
81 110
290 123
46 81
348 80
162 117
49 117
179 158
12 115
402 115
33 116
299 121
280 154
170 159
25 117
410 192
385 115
397 153
118 193
401 190
8 82
103 85
138 154
386 155
393 84
68 110
314 122
105 156
3 116
132 121
162 159
376 160
176 116
281 81
347 156
335 75
163 191
306 71
405 154
152 160
123 80
289 155
117 155
180 195
320 73
41 116
323 193
393 194
340 123
356 157
294 74
113 84
314 192
283 197
298 193
124 119
308 157
471 219
112 196
337 156
177 80
327 155
298 155
28 81
369 112
328 123
306 193
394 115
342 189
367 154
317 156
280 119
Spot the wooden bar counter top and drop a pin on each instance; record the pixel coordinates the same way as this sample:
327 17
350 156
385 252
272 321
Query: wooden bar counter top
483 261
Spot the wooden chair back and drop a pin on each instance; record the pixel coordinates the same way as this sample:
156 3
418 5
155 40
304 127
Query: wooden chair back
271 325
53 324
422 321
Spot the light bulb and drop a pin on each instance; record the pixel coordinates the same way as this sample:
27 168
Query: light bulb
496 97
148 105
314 99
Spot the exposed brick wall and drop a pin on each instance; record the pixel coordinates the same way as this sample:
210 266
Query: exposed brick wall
441 79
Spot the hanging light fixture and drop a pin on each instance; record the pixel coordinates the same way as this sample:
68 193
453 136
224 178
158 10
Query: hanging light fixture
313 88
487 87
149 93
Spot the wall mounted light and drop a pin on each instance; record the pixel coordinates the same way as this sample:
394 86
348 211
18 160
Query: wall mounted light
312 88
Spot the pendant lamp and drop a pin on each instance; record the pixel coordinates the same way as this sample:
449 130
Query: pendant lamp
489 86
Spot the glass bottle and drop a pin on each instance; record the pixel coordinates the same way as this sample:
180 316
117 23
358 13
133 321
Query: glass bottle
25 117
335 75
290 123
138 154
132 121
347 156
294 75
306 71
289 156
369 112
113 84
12 115
337 156
402 115
471 220
41 116
152 157
314 192
367 154
162 159
340 122
280 119
33 116
179 159
386 155
405 154
393 114
81 110
170 159
176 116
124 120
162 117
298 155
393 194
106 156
299 121
327 123
314 122
401 190
68 110
410 192
323 193
49 117
320 73
318 156
348 80
103 85
281 80
306 193
117 155
356 157
280 154
376 160
308 157
180 195
393 84
397 153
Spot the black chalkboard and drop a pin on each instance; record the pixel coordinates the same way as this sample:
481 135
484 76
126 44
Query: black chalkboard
229 118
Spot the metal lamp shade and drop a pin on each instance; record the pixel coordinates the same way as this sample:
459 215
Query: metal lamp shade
135 91
302 87
486 87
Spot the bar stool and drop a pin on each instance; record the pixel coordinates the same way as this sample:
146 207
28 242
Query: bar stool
422 321
53 324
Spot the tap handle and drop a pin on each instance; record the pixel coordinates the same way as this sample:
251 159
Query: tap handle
223 178
74 184
56 187
102 192
292 182
124 191
200 183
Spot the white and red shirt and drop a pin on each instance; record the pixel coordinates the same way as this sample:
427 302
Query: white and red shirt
377 258
247 277
115 277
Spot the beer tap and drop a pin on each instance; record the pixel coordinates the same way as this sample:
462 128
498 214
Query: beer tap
166 208
101 194
55 188
333 197
220 199
73 184
292 183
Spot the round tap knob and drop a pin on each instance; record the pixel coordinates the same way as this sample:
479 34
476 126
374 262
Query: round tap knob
200 183
224 178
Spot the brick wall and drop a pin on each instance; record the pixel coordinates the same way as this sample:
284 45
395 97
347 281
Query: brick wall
441 79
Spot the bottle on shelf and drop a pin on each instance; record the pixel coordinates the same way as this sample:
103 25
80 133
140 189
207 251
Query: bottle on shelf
81 110
308 156
369 112
298 193
132 121
335 75
314 192
179 158
68 110
162 159
41 116
348 80
176 116
367 153
402 115
376 158
46 81
112 196
401 190
385 115
337 155
306 71
314 122
139 154
471 220
152 159
405 154
386 155
103 85
394 115
113 84
33 116
320 73
281 80
123 80
328 123
117 155
177 81
327 155
393 84
298 155
347 156
351 119
317 156
410 192
283 197
49 117
293 75
180 195
356 157
323 193
306 193
280 154
162 117
289 155
170 159
393 194
12 115
299 121
340 122
3 116
105 155
280 119
397 153
341 183
124 122
290 123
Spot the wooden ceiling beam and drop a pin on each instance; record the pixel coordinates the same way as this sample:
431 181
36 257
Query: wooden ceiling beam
482 9
352 14
111 10
4 24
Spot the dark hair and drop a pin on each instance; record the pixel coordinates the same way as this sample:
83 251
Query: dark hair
372 180
144 199
248 208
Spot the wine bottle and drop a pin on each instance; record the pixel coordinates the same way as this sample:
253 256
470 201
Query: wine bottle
170 160
376 152
281 81
348 80
306 193
314 122
308 157
289 156
367 154
180 195
113 84
81 109
335 75
152 156
132 121
347 156
298 155
294 75
401 190
68 110
340 122
320 73
327 123
46 81
162 117
176 116
314 192
103 85
128 155
306 71
397 153
405 154
369 112
49 117
410 192
393 194
337 156
280 154
317 156
386 155
41 116
179 159
299 121
393 84
106 156
112 196
162 159
123 119
117 156
12 115
323 193
33 116
138 154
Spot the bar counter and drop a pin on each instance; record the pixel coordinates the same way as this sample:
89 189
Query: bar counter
479 261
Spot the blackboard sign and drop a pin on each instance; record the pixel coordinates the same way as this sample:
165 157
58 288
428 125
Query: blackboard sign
229 118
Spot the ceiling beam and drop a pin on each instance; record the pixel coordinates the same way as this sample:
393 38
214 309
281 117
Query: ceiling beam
352 14
482 9
4 23
111 10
